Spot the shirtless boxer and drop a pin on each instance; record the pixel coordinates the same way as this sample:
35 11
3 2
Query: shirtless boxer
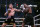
10 19
28 16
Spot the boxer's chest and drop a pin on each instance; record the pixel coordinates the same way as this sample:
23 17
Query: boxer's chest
11 12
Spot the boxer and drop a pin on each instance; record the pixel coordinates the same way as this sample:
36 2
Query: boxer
10 19
27 15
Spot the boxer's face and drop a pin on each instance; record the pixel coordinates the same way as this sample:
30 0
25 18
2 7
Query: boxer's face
10 6
25 5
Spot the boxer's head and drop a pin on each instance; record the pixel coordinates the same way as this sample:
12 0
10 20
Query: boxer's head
10 5
25 5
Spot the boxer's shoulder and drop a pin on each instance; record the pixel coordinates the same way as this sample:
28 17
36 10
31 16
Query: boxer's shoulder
9 9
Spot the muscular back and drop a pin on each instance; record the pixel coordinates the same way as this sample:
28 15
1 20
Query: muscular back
27 10
30 10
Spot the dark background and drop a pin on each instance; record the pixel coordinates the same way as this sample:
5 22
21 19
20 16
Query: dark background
4 8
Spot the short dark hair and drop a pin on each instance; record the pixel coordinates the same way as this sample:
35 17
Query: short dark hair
25 3
10 3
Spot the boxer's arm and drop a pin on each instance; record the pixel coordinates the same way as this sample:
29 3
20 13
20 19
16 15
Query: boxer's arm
18 10
6 13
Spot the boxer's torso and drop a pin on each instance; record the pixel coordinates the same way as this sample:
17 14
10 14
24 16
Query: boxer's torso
12 12
27 10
